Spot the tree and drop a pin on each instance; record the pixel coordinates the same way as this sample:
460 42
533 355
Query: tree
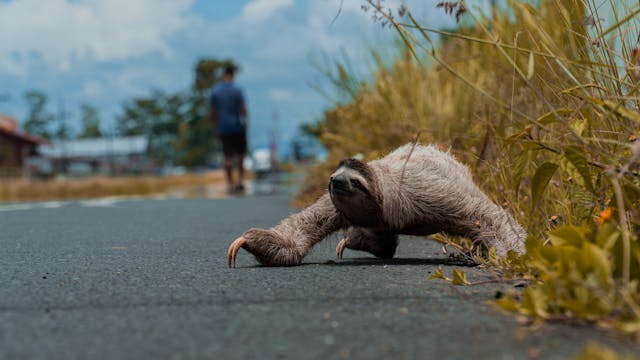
196 140
39 118
138 115
177 124
90 118
62 132
164 128
158 117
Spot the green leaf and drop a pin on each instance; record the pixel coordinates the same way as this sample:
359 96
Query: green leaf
607 235
533 243
459 278
342 73
540 181
568 235
508 303
519 165
534 301
597 351
598 260
575 155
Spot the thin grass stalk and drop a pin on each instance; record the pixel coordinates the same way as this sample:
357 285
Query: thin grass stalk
624 223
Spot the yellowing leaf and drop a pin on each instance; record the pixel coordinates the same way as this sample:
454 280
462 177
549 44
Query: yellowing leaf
531 66
620 110
552 116
459 278
578 126
439 275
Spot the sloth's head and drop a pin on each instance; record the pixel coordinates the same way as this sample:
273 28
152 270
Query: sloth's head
354 192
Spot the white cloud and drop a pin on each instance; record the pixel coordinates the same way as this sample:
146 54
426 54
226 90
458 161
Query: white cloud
61 31
110 50
263 9
92 89
280 94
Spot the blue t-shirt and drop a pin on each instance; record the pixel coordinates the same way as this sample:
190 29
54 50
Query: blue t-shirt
228 100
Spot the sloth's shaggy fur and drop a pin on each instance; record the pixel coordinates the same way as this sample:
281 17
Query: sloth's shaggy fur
415 190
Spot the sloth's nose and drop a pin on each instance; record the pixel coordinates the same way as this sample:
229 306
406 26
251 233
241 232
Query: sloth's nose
340 182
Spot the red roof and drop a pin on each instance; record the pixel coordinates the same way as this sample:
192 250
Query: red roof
9 126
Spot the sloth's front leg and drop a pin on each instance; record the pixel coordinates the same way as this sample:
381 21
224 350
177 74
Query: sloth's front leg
382 244
291 240
269 248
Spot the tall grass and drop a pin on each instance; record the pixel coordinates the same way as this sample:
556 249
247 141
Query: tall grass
542 103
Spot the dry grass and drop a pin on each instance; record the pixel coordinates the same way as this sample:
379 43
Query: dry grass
24 189
543 105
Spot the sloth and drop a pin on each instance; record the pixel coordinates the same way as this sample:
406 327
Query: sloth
415 190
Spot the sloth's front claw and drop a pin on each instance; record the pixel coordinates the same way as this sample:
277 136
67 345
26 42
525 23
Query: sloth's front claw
233 250
340 247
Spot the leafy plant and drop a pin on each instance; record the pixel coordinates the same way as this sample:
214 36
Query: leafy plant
542 103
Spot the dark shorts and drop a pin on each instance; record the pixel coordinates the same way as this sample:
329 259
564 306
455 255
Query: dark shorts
234 144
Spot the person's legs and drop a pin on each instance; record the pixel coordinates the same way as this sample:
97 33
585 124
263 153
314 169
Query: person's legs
241 149
240 185
228 170
227 151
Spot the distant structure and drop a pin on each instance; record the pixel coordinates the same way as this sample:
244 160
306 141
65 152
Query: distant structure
15 147
122 155
273 142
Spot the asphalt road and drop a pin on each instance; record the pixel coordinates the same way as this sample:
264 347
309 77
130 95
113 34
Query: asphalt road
148 279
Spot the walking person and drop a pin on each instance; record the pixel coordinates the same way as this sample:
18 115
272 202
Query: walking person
229 117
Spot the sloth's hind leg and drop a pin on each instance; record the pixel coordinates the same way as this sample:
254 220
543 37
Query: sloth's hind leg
382 244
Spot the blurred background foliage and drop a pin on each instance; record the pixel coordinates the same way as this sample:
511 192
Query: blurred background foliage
176 124
541 102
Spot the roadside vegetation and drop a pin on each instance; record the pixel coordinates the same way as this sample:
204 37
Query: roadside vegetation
541 102
29 189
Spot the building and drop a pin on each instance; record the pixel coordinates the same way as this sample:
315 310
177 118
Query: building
106 155
15 147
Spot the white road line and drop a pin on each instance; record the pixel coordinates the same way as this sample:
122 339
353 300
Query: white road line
104 202
30 206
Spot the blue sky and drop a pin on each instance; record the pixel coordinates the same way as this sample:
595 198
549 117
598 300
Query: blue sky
106 51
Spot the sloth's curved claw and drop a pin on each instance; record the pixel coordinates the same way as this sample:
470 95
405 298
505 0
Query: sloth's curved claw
340 247
233 250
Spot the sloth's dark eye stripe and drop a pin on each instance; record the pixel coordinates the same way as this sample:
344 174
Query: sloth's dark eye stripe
358 184
358 166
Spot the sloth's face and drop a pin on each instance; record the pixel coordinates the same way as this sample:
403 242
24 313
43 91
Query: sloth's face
351 193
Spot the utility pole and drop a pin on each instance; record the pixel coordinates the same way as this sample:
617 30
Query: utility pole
111 155
63 134
274 141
